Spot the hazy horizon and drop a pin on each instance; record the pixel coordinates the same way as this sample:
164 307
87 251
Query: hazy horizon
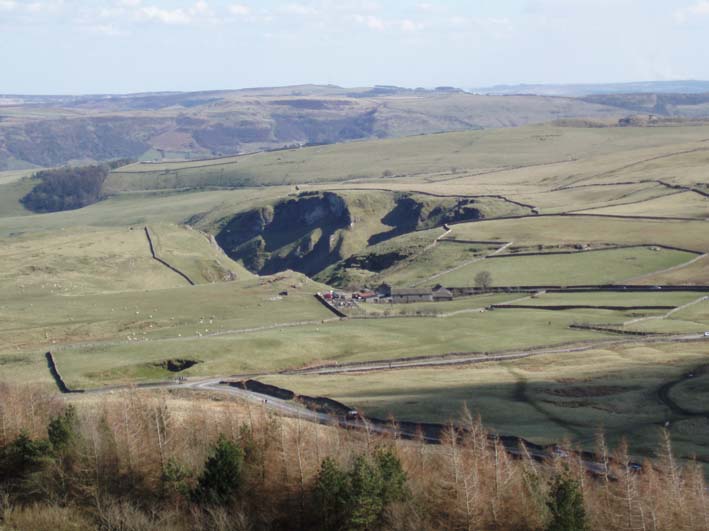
431 87
133 46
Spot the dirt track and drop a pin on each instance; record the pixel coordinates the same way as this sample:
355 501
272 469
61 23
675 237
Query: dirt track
478 357
664 393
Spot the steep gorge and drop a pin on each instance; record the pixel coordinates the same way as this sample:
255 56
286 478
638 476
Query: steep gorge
311 231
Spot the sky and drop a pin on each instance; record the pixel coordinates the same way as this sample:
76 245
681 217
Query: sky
121 46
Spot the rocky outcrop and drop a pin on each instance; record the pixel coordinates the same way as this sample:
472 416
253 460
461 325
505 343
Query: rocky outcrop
315 230
411 214
298 234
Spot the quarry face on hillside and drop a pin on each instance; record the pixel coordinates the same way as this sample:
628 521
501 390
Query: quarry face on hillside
314 230
298 234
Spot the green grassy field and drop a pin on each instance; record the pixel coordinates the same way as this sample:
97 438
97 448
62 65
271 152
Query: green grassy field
545 398
80 261
443 309
44 322
596 267
139 209
695 273
589 230
434 261
83 284
615 299
11 191
423 157
685 204
12 176
280 346
191 252
692 319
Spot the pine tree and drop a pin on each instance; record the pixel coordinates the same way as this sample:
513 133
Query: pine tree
62 429
221 478
367 503
393 477
566 506
22 457
332 493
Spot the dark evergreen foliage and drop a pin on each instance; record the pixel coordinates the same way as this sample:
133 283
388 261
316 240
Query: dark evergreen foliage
22 457
62 429
68 188
566 506
358 500
222 474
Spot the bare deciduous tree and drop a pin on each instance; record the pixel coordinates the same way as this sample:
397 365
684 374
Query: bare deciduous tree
483 280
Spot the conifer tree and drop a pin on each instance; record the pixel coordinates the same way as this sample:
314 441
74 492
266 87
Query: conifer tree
566 506
221 478
332 492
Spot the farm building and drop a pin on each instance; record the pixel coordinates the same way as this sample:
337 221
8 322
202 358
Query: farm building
411 295
384 290
441 294
364 295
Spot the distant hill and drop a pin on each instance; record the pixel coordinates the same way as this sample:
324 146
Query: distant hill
587 89
661 104
49 131
46 131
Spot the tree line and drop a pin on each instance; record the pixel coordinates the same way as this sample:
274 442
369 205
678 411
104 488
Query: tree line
68 188
147 461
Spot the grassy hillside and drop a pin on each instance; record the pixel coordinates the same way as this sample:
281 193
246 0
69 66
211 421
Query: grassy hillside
453 156
11 192
248 348
544 398
138 209
590 230
48 131
81 261
195 254
311 231
411 211
161 324
88 261
597 267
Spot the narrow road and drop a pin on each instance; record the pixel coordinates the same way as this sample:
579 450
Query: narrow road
480 310
407 262
464 264
664 394
663 271
668 314
297 410
477 357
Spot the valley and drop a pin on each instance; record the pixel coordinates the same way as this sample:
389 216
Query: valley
594 242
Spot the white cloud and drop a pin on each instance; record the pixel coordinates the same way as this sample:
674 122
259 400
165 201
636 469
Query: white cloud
372 22
165 16
380 24
299 9
48 6
409 25
350 6
239 10
697 9
201 8
104 29
428 7
574 8
179 16
129 3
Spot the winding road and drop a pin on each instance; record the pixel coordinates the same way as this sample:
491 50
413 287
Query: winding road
664 393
